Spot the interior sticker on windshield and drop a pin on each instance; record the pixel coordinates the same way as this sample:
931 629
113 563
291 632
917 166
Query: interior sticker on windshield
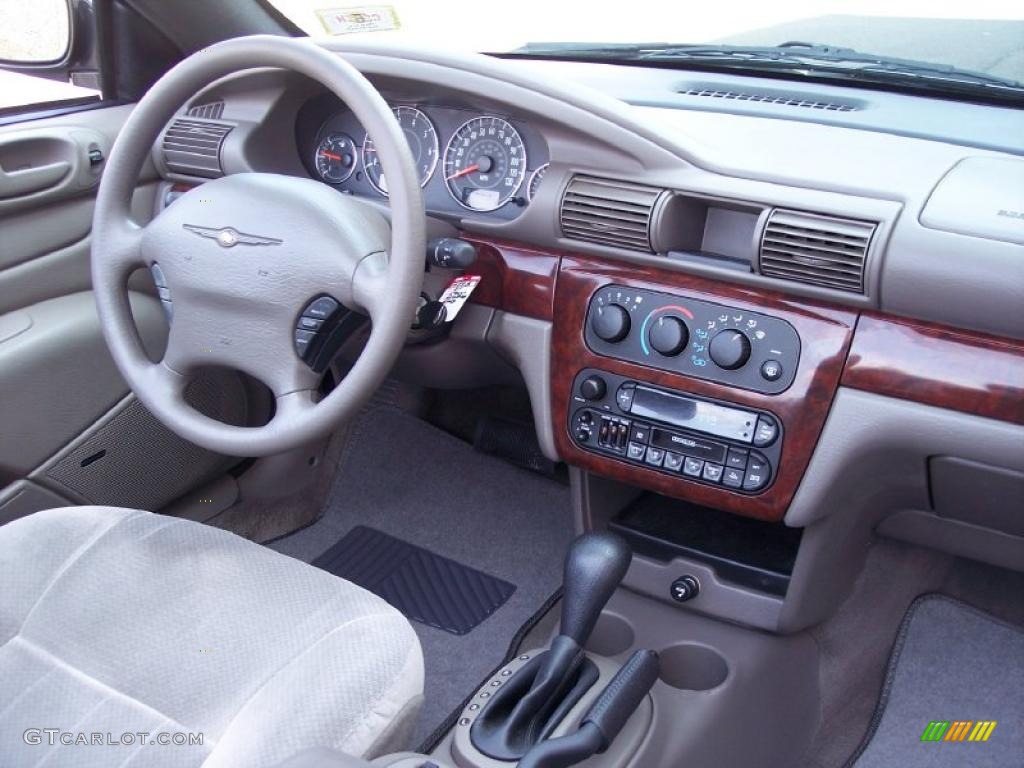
360 18
456 294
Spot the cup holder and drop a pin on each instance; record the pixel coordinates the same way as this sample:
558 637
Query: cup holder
611 636
692 667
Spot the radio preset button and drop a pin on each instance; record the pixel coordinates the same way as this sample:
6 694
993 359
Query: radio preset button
611 323
693 467
712 472
765 432
654 457
673 461
636 451
668 335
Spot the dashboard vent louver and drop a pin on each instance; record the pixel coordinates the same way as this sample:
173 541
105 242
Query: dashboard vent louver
211 111
192 147
786 100
816 249
608 212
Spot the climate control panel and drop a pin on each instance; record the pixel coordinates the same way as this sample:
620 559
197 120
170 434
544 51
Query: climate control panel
706 441
693 337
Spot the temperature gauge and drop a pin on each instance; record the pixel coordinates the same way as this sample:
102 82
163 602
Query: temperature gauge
534 182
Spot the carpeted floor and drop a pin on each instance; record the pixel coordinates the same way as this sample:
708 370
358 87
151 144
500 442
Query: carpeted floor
957 667
401 476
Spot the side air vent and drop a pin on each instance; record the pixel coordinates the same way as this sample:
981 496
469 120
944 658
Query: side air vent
769 97
608 212
192 147
819 250
212 111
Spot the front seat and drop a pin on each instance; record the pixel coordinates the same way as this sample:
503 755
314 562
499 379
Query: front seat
118 622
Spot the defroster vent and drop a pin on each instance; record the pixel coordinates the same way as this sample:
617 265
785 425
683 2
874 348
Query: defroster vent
607 212
816 249
192 147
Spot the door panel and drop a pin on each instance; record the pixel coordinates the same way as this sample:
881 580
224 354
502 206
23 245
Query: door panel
59 388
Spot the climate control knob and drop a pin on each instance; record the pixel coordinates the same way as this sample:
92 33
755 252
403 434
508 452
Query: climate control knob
668 335
730 349
611 323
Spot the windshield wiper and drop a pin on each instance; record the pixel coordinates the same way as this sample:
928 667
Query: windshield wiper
794 59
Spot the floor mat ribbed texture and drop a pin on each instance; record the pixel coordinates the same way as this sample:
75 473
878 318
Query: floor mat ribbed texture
407 479
427 588
953 669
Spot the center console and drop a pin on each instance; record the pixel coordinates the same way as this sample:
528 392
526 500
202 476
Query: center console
710 393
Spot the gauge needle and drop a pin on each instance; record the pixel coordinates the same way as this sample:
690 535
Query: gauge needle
330 155
463 172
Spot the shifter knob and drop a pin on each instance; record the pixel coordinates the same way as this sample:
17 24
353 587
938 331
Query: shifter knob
594 566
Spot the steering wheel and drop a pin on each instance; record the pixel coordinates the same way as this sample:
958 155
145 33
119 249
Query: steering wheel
244 255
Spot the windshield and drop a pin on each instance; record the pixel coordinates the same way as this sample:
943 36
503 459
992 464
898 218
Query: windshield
983 36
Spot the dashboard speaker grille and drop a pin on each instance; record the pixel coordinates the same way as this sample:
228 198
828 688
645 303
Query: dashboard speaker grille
607 212
192 147
815 249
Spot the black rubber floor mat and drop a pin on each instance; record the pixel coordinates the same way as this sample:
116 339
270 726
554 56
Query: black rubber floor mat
425 587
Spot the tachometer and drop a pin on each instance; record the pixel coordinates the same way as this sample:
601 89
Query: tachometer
422 138
534 182
335 158
484 163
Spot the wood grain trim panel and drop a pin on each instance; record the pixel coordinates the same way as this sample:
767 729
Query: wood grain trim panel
516 278
825 334
935 365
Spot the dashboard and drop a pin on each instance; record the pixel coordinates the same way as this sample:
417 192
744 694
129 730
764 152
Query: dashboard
484 162
686 293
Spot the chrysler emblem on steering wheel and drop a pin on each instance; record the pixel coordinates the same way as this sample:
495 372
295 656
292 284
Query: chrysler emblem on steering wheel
227 237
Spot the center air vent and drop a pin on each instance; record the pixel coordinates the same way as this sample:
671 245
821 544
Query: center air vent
192 147
607 212
819 250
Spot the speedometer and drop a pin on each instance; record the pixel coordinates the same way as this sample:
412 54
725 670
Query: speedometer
484 163
422 138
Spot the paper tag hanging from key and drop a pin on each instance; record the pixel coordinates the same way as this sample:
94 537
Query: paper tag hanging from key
457 293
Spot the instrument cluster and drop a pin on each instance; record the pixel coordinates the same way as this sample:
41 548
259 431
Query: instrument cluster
467 161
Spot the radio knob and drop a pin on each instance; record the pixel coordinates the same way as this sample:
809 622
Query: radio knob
668 335
730 349
610 323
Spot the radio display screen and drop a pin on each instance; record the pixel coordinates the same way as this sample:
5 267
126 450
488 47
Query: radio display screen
710 418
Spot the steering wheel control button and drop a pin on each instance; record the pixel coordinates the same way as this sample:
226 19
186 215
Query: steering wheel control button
765 432
730 349
593 388
310 323
303 339
321 308
693 467
712 472
673 461
611 323
668 335
684 588
158 276
771 370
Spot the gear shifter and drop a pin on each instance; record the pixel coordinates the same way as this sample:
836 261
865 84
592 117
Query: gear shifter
532 703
